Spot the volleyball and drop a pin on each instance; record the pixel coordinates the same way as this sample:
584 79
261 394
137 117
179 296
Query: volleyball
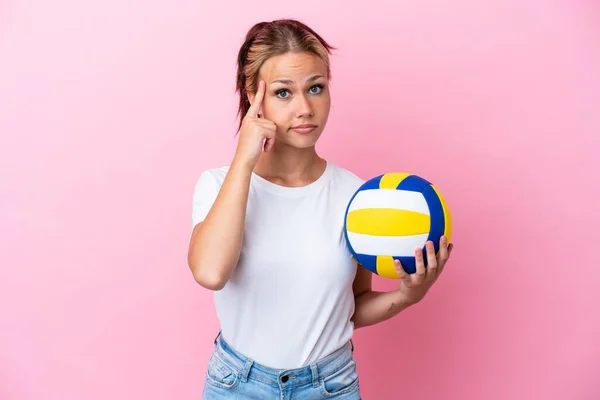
392 215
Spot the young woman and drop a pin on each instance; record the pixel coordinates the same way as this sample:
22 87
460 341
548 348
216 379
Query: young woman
268 236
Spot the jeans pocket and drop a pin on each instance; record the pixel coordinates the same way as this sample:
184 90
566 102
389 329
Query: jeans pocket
343 381
221 374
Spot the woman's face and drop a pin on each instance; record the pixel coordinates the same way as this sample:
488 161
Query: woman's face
297 97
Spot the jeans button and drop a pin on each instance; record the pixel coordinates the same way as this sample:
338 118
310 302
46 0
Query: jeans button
284 378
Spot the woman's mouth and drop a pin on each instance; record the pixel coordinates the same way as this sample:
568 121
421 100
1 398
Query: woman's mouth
306 128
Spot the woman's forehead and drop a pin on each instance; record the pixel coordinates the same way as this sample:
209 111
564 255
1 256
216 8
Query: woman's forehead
296 67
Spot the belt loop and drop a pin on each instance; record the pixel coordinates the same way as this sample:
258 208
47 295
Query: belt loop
216 337
352 344
246 370
315 374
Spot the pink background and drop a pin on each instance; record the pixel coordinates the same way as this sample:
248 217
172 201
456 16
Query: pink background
109 111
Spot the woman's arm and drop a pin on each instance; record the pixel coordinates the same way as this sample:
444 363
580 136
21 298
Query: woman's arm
216 242
374 307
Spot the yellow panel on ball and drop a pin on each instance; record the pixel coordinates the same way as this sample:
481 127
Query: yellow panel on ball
392 180
387 222
386 267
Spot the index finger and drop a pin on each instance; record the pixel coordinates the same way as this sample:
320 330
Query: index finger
255 106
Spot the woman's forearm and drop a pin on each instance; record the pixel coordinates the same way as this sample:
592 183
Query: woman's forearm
374 307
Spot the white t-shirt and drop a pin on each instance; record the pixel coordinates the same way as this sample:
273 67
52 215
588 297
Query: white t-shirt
290 299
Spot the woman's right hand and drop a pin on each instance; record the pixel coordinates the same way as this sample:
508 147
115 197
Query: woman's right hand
256 133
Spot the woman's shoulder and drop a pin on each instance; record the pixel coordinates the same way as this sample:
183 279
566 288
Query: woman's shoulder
343 174
217 173
211 177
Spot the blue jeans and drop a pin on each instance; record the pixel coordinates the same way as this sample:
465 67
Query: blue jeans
231 375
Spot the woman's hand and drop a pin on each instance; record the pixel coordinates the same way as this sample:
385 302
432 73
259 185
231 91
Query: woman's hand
256 134
414 286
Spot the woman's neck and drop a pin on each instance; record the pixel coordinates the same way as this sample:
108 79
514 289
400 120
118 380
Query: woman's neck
289 166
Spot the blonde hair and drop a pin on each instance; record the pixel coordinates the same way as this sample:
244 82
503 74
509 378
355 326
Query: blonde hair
268 39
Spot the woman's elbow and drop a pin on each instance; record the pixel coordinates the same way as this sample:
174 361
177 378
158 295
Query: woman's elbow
210 281
211 284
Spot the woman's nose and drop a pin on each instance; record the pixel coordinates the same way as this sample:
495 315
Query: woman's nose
304 108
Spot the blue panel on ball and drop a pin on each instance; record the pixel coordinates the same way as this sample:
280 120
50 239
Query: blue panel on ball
346 221
367 261
413 183
436 216
371 183
408 263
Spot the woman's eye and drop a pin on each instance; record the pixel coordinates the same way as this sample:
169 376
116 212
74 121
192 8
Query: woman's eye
281 93
316 89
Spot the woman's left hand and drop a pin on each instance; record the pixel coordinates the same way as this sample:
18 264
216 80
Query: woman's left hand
414 286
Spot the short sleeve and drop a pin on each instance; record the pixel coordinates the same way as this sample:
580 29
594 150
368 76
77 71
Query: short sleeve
205 193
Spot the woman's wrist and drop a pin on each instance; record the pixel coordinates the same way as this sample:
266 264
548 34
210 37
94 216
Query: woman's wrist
241 166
